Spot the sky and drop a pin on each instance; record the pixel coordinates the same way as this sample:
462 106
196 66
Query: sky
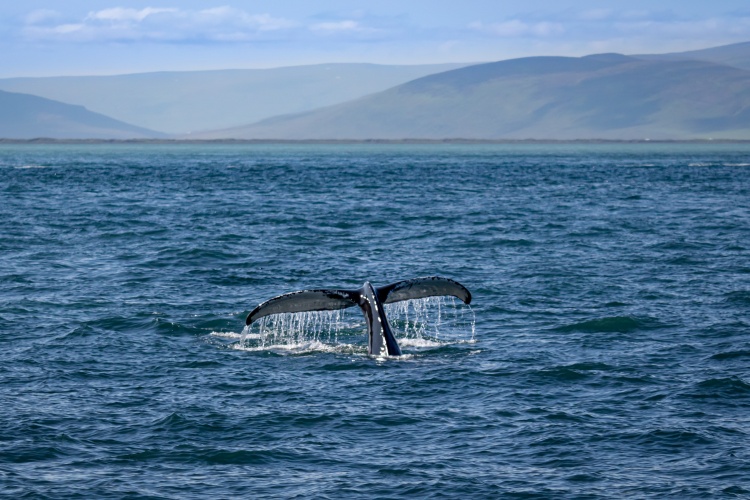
95 37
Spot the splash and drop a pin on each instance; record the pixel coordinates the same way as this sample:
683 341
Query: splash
423 323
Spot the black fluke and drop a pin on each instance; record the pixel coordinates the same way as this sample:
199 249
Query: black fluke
369 299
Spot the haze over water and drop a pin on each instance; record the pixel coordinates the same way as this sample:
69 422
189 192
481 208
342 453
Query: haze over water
611 316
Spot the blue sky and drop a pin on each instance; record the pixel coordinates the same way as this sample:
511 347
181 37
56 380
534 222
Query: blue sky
73 37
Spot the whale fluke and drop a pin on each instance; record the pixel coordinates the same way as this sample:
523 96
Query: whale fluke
420 288
369 299
305 300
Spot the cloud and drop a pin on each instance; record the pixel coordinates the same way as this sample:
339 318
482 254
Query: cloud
349 29
676 29
219 24
119 14
619 28
337 26
42 15
173 25
573 31
516 28
596 14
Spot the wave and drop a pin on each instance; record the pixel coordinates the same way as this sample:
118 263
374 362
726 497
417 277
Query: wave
189 454
614 324
672 438
729 388
732 384
738 297
561 374
722 356
572 372
511 242
32 454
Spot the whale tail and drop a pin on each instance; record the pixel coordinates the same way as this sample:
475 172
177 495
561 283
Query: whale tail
420 288
330 300
303 301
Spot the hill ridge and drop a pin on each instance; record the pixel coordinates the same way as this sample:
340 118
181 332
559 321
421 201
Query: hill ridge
605 96
28 116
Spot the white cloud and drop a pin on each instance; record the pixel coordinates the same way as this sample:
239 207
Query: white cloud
515 28
123 14
679 29
595 14
64 29
566 31
348 29
337 26
42 15
635 14
231 16
620 29
224 24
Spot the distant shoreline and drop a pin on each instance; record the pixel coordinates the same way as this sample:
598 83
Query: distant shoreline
371 141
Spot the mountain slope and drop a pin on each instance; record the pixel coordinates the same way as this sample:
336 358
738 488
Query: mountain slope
27 117
607 96
183 102
736 54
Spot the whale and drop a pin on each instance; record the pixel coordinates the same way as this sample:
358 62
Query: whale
371 301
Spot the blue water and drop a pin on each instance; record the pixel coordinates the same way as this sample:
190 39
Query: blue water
606 353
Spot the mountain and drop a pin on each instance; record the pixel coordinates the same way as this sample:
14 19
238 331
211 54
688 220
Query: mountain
184 102
736 54
605 96
27 117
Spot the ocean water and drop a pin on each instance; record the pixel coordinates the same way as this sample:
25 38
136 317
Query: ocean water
606 353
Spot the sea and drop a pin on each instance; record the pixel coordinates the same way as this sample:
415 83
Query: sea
605 353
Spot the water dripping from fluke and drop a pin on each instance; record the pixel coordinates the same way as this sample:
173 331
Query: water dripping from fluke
309 312
418 325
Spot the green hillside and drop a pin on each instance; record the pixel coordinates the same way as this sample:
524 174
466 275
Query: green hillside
606 96
28 117
184 102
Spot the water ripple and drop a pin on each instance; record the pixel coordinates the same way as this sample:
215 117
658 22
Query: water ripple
604 354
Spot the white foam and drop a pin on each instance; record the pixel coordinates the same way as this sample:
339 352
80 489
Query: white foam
233 335
423 343
392 359
300 348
